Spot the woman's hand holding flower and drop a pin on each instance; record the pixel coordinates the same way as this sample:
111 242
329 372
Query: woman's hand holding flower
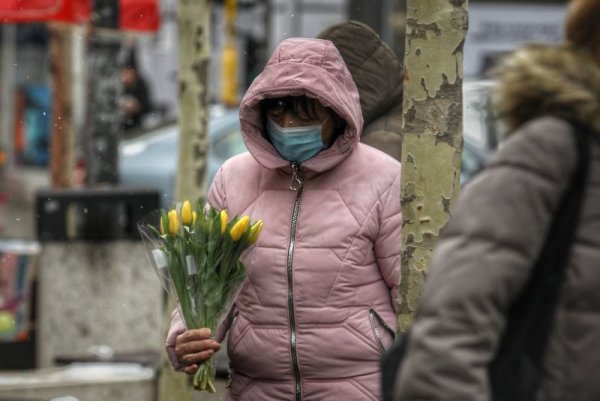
195 346
197 254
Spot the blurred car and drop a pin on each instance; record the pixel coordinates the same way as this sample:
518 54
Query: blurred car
481 130
150 160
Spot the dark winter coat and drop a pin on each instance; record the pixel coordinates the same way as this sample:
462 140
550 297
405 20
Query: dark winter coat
378 75
487 251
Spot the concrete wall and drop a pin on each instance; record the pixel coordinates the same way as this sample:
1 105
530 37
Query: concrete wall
97 293
90 382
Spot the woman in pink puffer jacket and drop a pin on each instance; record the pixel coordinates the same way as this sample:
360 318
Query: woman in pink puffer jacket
318 306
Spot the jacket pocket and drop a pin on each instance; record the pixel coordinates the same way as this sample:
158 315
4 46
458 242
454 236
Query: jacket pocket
380 328
234 318
232 323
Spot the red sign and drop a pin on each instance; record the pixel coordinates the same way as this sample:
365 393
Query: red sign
73 11
137 15
30 6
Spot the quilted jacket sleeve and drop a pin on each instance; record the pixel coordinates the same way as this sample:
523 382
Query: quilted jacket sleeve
387 244
176 328
482 261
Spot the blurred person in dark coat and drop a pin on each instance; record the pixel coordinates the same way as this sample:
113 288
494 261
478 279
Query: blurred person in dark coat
378 75
486 253
135 99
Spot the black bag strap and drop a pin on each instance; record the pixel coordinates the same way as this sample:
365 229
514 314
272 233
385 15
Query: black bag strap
390 363
515 371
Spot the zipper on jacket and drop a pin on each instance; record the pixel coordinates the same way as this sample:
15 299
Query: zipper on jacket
297 184
297 178
376 320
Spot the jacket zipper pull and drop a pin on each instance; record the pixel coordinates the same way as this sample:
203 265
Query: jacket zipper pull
297 177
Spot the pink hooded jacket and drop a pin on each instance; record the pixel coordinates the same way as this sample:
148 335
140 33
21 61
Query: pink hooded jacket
318 306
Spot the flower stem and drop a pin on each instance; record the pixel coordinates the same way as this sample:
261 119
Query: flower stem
203 379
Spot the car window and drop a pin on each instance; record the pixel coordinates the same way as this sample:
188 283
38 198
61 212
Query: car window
481 127
471 164
479 121
229 144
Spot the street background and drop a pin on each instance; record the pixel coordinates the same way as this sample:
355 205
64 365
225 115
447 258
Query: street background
88 291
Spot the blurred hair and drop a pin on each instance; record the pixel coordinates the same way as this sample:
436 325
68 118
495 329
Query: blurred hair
583 24
301 106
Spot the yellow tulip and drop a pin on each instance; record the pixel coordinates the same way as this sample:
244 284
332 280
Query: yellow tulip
223 215
255 231
239 228
186 213
173 222
194 217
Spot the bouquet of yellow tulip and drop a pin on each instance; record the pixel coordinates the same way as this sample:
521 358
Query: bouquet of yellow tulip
196 254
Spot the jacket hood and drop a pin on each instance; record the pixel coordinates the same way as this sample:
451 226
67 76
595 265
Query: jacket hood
375 68
309 67
558 80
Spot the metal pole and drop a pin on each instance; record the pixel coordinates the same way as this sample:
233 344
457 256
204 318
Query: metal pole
104 90
268 24
297 11
79 79
7 97
103 113
61 145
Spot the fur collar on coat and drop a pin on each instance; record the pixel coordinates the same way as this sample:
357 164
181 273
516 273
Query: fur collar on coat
556 80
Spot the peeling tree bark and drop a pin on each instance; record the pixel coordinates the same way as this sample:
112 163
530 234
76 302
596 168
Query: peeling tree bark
194 58
432 144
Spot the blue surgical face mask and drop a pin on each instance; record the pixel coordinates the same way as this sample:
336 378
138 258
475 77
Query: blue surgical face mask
296 144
